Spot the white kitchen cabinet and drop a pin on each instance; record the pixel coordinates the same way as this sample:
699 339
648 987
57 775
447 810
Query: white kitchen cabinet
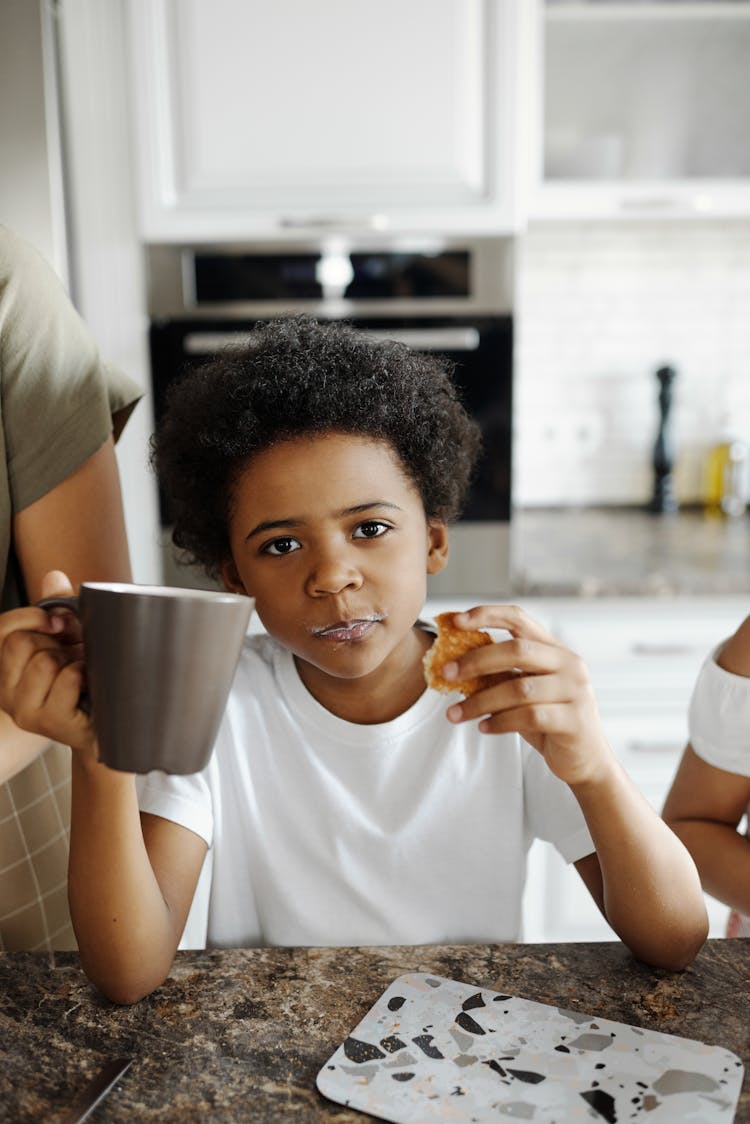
644 111
643 656
256 119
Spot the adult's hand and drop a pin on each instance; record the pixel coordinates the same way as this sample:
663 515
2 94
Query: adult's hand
41 670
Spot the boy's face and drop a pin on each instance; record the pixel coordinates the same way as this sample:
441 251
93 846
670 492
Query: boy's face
330 537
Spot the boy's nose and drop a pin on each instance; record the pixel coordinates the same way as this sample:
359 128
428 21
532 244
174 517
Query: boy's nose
332 574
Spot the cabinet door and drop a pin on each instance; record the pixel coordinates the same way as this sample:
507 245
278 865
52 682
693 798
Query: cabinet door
645 109
256 118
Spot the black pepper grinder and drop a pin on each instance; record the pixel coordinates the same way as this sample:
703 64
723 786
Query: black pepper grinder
663 498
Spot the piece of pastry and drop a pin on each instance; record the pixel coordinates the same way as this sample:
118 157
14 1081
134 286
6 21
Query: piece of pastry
450 644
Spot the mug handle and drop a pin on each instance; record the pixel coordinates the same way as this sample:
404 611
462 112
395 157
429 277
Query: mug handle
59 603
73 604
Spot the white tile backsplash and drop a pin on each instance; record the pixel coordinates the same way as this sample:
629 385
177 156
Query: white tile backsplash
600 306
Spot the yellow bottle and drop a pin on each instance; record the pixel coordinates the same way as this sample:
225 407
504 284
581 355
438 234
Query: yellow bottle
725 477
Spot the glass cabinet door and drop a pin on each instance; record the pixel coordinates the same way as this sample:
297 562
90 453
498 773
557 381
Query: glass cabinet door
645 108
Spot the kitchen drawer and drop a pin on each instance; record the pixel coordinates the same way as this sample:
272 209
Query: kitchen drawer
648 744
645 653
648 633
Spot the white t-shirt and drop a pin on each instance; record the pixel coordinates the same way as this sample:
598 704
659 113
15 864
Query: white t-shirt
719 729
325 832
719 718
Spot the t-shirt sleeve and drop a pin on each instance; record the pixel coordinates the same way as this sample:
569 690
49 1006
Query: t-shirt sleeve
58 396
719 718
552 811
185 800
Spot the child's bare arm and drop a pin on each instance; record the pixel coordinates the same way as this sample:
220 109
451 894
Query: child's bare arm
704 807
706 803
131 881
735 654
641 876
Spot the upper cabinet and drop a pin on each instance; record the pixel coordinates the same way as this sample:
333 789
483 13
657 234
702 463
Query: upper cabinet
645 109
275 119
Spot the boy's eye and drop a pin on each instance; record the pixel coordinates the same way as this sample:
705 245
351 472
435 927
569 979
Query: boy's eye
371 529
281 546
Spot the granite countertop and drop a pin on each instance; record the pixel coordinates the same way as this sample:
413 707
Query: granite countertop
622 551
240 1034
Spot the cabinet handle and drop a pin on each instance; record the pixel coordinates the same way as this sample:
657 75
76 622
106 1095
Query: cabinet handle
334 222
698 203
654 203
637 746
643 648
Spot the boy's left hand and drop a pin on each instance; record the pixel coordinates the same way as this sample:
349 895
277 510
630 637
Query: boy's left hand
543 692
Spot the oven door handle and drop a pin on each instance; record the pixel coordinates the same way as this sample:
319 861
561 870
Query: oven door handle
206 343
420 339
430 339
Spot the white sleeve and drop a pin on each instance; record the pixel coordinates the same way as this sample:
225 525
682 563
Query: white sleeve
185 800
719 718
552 811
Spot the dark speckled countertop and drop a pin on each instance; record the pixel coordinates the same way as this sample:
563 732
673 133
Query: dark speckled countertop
614 551
238 1035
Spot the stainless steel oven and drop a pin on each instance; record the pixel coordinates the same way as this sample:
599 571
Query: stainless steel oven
445 295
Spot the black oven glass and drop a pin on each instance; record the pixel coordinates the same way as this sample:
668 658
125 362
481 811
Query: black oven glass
233 278
230 278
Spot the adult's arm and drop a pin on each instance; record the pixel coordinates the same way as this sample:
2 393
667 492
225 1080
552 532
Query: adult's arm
77 527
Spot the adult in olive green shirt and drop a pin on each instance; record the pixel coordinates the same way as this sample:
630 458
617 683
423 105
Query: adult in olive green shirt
61 410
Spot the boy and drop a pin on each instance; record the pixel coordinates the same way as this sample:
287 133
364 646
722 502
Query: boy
317 471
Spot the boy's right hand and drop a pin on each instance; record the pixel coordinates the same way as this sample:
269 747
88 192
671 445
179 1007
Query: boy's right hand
537 688
41 670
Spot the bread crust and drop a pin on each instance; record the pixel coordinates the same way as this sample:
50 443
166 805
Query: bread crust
450 644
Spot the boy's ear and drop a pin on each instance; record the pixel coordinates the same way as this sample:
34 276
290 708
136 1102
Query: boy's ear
437 546
230 576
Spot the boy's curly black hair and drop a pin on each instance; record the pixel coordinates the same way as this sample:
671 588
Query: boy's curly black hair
298 376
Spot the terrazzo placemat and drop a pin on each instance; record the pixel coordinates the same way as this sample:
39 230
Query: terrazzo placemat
436 1049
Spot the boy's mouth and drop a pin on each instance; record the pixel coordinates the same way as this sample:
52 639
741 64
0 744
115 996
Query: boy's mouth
349 630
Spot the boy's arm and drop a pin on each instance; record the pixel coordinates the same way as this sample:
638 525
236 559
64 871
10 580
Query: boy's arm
131 881
641 875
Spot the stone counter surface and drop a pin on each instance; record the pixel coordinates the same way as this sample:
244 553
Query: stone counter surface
623 551
238 1035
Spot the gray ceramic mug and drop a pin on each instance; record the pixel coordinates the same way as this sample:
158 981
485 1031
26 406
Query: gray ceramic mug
159 665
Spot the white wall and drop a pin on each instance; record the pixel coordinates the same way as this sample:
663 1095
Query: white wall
106 256
30 195
97 256
600 307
